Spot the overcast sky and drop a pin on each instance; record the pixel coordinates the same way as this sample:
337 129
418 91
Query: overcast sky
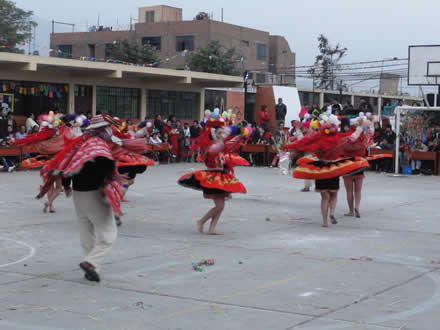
371 30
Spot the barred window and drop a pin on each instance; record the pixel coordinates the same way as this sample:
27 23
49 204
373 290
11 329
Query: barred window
118 102
184 105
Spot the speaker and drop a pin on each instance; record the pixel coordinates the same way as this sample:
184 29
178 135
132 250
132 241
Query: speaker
431 98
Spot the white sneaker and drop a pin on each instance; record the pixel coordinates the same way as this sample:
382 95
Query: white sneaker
12 168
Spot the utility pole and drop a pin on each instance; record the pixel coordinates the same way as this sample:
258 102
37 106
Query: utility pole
222 15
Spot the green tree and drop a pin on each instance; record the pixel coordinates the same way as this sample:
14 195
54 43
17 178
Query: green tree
132 52
323 72
214 58
15 26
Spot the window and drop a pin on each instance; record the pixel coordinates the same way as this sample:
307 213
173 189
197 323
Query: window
118 102
149 17
92 51
184 105
245 43
108 51
261 52
65 51
184 43
155 42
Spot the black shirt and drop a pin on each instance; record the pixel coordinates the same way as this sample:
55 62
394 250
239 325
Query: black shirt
281 111
195 132
93 174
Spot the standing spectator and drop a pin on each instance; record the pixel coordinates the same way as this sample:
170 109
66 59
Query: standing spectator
280 112
336 108
263 117
388 143
30 123
158 124
195 133
180 140
12 122
89 115
292 130
347 107
187 135
302 113
3 124
417 164
173 121
364 106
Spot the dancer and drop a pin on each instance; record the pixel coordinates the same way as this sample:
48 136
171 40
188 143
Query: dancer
218 181
353 182
328 145
90 161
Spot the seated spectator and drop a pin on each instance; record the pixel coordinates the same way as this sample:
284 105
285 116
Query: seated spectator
21 132
30 123
9 163
155 139
416 165
12 123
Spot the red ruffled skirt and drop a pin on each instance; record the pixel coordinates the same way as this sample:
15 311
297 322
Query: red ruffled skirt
35 162
310 169
214 184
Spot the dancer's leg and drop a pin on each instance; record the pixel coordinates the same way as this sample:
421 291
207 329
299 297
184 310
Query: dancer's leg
358 194
348 182
210 214
325 197
332 202
55 193
219 205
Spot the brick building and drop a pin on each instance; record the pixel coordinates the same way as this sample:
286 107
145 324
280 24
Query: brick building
164 28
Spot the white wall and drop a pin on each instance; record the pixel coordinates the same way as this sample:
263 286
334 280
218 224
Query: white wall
290 98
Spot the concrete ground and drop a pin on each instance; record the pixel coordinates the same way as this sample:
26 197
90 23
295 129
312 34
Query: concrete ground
379 272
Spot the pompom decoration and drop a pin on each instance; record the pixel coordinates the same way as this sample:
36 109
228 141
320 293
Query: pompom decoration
86 123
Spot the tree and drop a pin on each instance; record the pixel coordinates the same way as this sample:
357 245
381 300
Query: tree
213 58
325 63
15 26
132 52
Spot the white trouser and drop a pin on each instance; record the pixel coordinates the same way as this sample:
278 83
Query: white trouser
97 226
308 184
416 164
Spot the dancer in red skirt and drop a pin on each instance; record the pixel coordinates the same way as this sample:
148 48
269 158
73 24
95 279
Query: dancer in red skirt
327 164
218 181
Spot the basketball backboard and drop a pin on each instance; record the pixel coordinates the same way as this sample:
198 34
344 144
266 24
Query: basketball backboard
424 65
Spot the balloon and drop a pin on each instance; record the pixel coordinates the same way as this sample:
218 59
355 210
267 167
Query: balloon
211 119
208 115
44 117
214 115
207 111
217 111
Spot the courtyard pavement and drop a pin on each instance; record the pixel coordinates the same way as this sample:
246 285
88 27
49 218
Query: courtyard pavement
275 267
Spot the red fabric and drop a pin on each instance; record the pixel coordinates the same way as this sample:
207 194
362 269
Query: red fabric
263 117
174 143
44 134
134 160
303 112
114 193
91 148
216 180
